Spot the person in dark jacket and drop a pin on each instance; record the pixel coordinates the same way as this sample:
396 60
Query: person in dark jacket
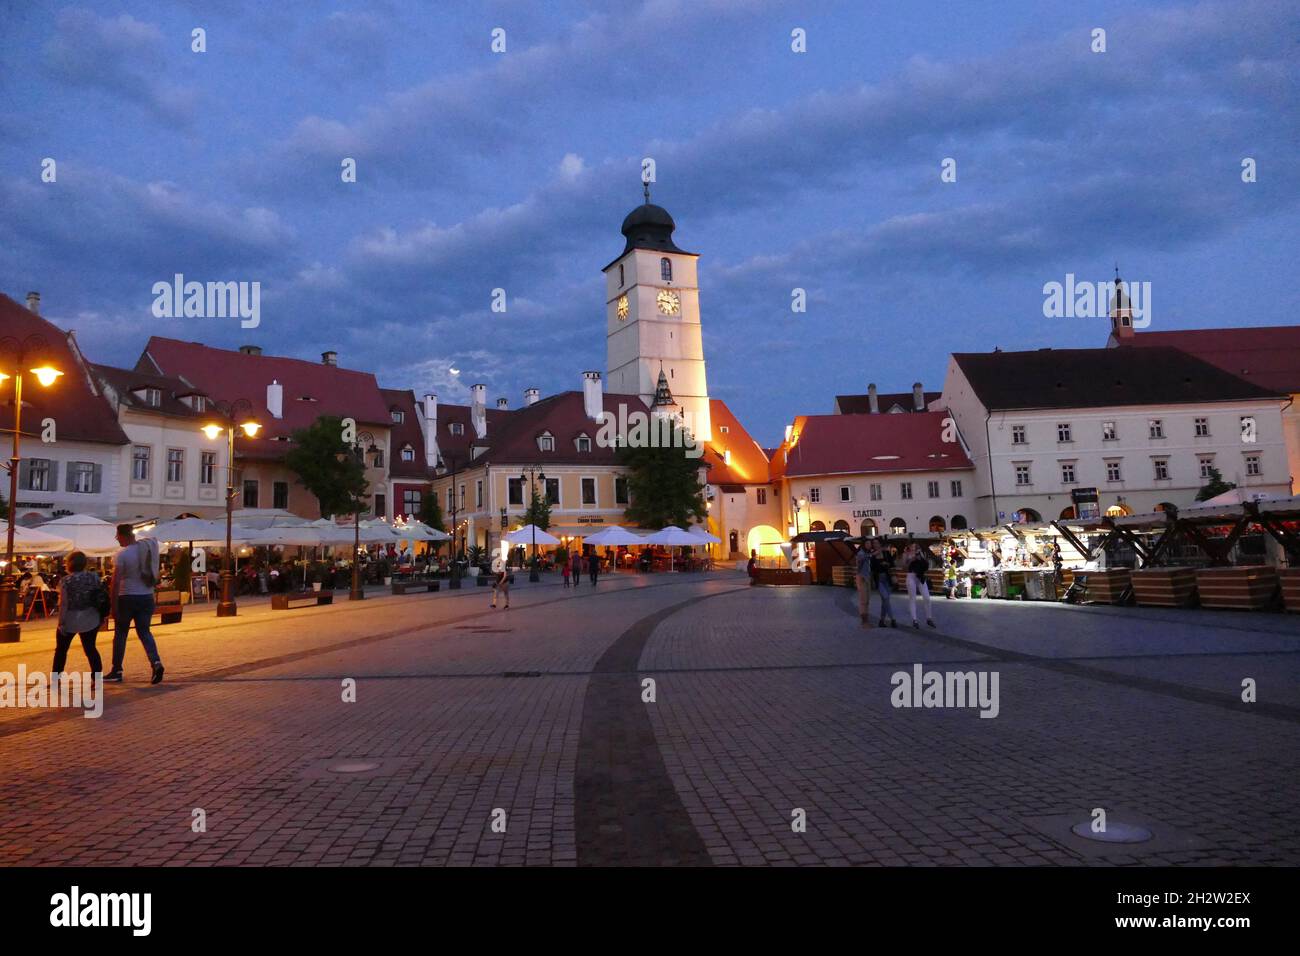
593 566
78 614
917 566
882 567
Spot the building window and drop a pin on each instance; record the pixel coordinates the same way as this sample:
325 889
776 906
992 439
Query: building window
584 443
83 477
760 496
954 487
1023 476
546 442
814 495
1202 428
1063 432
34 475
621 279
589 491
381 507
175 465
280 495
478 493
666 270
932 489
140 463
905 490
153 397
1108 432
462 497
200 404
1207 465
207 468
1113 472
412 502
1067 473
515 491
1161 468
457 428
1155 428
451 498
846 492
876 492
620 492
379 458
1017 434
250 493
1252 466
408 453
552 491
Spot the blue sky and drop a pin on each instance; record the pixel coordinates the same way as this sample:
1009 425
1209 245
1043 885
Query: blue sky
817 170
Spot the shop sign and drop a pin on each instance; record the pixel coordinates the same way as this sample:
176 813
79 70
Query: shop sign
866 512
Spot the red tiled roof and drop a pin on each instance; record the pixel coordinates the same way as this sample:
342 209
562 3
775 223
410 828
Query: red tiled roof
458 446
124 382
1268 356
512 435
406 432
848 444
749 463
861 404
311 389
75 402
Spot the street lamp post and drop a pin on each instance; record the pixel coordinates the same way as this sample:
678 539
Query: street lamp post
357 451
798 504
29 354
232 413
442 470
530 475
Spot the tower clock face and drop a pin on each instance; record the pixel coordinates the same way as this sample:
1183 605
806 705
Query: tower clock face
669 303
622 308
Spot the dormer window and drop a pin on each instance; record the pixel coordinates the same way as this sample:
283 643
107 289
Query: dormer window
546 441
408 453
398 416
457 428
666 269
150 396
584 443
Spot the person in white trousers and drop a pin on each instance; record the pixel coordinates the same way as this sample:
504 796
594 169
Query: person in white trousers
917 565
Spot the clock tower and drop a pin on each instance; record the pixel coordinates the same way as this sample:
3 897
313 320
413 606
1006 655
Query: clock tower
652 307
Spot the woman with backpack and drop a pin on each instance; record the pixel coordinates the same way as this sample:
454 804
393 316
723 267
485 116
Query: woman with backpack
83 605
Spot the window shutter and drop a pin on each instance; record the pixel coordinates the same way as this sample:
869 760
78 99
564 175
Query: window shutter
54 476
68 478
25 473
96 481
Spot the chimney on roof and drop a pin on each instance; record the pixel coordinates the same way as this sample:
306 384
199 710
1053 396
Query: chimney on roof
274 398
918 397
329 358
34 302
478 410
251 349
592 401
503 403
873 403
431 429
532 396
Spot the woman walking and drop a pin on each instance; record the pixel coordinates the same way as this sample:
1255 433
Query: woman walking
917 566
564 571
882 567
79 614
575 569
502 571
862 579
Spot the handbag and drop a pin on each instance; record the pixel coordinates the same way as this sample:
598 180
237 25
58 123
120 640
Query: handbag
103 602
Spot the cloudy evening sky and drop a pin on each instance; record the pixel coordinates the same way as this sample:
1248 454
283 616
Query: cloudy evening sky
817 170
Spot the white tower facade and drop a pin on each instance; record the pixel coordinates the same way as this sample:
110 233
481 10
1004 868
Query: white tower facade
652 306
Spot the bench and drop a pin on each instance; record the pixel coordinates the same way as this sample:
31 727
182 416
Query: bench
282 602
168 606
402 587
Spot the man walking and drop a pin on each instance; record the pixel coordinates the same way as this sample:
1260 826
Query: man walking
593 567
135 572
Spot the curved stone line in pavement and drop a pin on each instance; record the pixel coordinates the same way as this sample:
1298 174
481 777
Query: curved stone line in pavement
626 810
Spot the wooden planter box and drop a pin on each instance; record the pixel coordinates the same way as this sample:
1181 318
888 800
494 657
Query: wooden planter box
1165 587
781 577
1289 578
1251 588
1106 587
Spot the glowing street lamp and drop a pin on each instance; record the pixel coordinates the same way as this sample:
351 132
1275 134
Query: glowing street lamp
238 415
16 354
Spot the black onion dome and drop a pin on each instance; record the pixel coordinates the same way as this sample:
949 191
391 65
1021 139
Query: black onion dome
650 227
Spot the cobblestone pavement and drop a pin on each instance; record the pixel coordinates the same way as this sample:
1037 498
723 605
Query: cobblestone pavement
770 706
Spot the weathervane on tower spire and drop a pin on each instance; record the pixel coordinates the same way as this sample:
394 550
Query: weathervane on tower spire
645 184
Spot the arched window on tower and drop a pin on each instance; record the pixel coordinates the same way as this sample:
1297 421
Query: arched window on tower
666 269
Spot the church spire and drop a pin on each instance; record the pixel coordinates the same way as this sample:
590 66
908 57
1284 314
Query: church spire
663 396
645 184
1121 310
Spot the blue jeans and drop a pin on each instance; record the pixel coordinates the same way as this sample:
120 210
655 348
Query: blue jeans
137 609
883 585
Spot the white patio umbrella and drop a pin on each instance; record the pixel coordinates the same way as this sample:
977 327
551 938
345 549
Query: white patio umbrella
32 541
194 529
614 535
524 535
266 518
95 536
672 537
697 531
419 531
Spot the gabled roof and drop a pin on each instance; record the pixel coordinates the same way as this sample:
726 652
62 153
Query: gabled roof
123 383
1096 378
512 435
749 463
885 401
406 432
458 446
1267 356
311 389
75 401
852 444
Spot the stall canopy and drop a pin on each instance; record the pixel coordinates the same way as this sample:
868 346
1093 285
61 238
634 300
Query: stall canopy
419 531
95 536
614 535
194 529
31 541
524 535
696 531
672 536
